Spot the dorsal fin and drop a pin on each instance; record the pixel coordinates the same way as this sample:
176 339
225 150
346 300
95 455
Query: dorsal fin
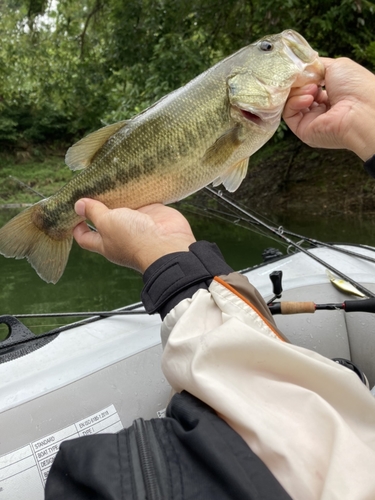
80 155
232 179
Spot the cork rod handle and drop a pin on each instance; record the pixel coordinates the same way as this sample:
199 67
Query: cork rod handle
297 307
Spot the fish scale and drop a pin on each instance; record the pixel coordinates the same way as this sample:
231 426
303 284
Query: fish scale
199 134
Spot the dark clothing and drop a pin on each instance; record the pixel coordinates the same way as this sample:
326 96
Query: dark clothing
192 454
179 275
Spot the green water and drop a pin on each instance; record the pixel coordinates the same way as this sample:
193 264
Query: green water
90 283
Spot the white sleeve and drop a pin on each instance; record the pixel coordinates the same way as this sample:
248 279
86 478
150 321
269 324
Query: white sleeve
310 420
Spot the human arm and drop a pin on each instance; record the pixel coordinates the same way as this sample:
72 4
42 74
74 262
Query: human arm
340 116
283 400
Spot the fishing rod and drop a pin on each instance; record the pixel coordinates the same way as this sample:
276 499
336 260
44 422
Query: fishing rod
345 251
311 241
130 309
236 219
214 214
286 307
103 314
289 307
292 243
23 184
16 338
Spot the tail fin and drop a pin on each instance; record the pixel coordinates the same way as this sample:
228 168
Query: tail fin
20 238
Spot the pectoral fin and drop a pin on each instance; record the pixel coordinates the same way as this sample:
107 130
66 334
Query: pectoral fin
232 179
80 155
224 147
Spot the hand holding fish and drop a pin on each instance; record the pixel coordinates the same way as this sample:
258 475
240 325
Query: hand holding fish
132 238
340 116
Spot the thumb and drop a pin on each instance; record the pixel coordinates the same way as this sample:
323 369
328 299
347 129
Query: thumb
90 209
93 210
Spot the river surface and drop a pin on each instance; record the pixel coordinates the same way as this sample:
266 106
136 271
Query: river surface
91 283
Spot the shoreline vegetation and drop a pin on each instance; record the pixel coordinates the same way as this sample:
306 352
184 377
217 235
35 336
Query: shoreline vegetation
284 176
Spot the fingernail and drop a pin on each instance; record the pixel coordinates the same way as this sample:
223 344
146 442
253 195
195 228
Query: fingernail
80 208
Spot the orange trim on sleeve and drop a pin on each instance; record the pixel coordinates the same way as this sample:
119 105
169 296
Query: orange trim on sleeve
244 299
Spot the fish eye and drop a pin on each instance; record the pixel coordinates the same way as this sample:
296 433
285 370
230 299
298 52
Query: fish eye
266 46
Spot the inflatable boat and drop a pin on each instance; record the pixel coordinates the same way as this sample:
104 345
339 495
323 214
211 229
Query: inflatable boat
99 374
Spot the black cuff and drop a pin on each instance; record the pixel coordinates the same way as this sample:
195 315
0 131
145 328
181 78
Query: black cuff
369 166
179 275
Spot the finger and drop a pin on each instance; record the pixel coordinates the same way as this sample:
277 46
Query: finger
309 89
80 208
87 239
321 97
91 209
300 123
296 104
313 113
295 111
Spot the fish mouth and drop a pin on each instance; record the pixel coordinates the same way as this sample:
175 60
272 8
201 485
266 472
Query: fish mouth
261 117
251 117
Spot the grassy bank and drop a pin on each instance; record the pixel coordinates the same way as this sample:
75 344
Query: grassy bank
42 169
282 177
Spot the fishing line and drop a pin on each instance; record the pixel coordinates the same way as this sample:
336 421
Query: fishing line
236 219
317 243
242 207
281 235
23 184
312 241
253 221
213 214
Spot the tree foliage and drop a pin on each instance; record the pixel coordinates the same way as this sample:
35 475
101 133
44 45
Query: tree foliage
68 66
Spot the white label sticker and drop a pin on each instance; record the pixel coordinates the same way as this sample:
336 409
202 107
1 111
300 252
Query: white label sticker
23 472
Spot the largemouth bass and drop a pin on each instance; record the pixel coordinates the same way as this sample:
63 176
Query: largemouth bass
202 133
